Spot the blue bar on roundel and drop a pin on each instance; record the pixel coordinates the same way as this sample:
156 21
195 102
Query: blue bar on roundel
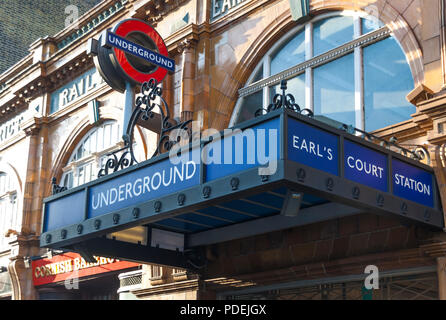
139 51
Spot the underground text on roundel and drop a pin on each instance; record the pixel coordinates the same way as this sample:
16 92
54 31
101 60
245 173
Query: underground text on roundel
139 51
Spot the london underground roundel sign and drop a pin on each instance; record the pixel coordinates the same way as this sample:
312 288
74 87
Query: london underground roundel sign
132 51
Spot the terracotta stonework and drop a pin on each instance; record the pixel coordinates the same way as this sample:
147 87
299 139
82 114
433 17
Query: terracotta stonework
213 61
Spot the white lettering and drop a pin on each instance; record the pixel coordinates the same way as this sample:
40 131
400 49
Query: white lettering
412 184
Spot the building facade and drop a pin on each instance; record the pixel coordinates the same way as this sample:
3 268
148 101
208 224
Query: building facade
377 65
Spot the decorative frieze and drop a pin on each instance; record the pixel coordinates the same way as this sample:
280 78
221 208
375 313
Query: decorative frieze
349 47
155 10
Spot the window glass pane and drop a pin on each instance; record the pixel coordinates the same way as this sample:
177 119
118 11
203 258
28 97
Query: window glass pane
100 138
80 175
249 106
289 55
334 90
387 81
331 33
107 136
370 24
114 134
68 180
80 152
259 75
296 87
93 142
2 183
87 169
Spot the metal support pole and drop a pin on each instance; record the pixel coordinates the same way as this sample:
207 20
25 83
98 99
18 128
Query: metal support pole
128 105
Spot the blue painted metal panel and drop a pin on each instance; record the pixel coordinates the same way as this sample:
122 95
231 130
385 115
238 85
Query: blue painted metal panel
65 211
175 224
268 199
250 208
313 147
412 183
230 155
313 200
365 166
202 220
225 214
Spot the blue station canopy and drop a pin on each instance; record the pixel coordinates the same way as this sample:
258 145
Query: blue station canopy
239 184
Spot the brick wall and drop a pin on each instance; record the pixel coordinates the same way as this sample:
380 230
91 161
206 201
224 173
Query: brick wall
23 22
338 247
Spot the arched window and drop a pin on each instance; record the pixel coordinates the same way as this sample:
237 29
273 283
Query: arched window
345 67
9 217
90 154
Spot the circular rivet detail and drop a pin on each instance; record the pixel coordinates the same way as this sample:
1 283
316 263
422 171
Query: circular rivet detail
329 183
356 192
206 192
135 213
97 224
181 199
235 183
116 218
80 228
63 234
48 238
380 200
427 215
404 208
157 206
301 175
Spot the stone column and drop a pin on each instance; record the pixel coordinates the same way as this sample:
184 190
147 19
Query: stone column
187 48
26 242
441 272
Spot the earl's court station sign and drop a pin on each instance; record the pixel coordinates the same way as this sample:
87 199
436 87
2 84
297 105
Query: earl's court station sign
315 173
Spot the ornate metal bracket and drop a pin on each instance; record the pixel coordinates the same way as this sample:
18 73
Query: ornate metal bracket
284 100
145 107
56 187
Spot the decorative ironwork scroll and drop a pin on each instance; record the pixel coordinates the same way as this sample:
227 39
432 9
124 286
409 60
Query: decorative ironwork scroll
56 187
418 153
150 100
287 100
284 100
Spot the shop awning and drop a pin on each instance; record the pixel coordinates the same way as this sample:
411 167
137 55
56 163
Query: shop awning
278 171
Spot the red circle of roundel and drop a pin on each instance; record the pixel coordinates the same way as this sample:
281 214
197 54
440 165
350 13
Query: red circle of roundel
123 30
